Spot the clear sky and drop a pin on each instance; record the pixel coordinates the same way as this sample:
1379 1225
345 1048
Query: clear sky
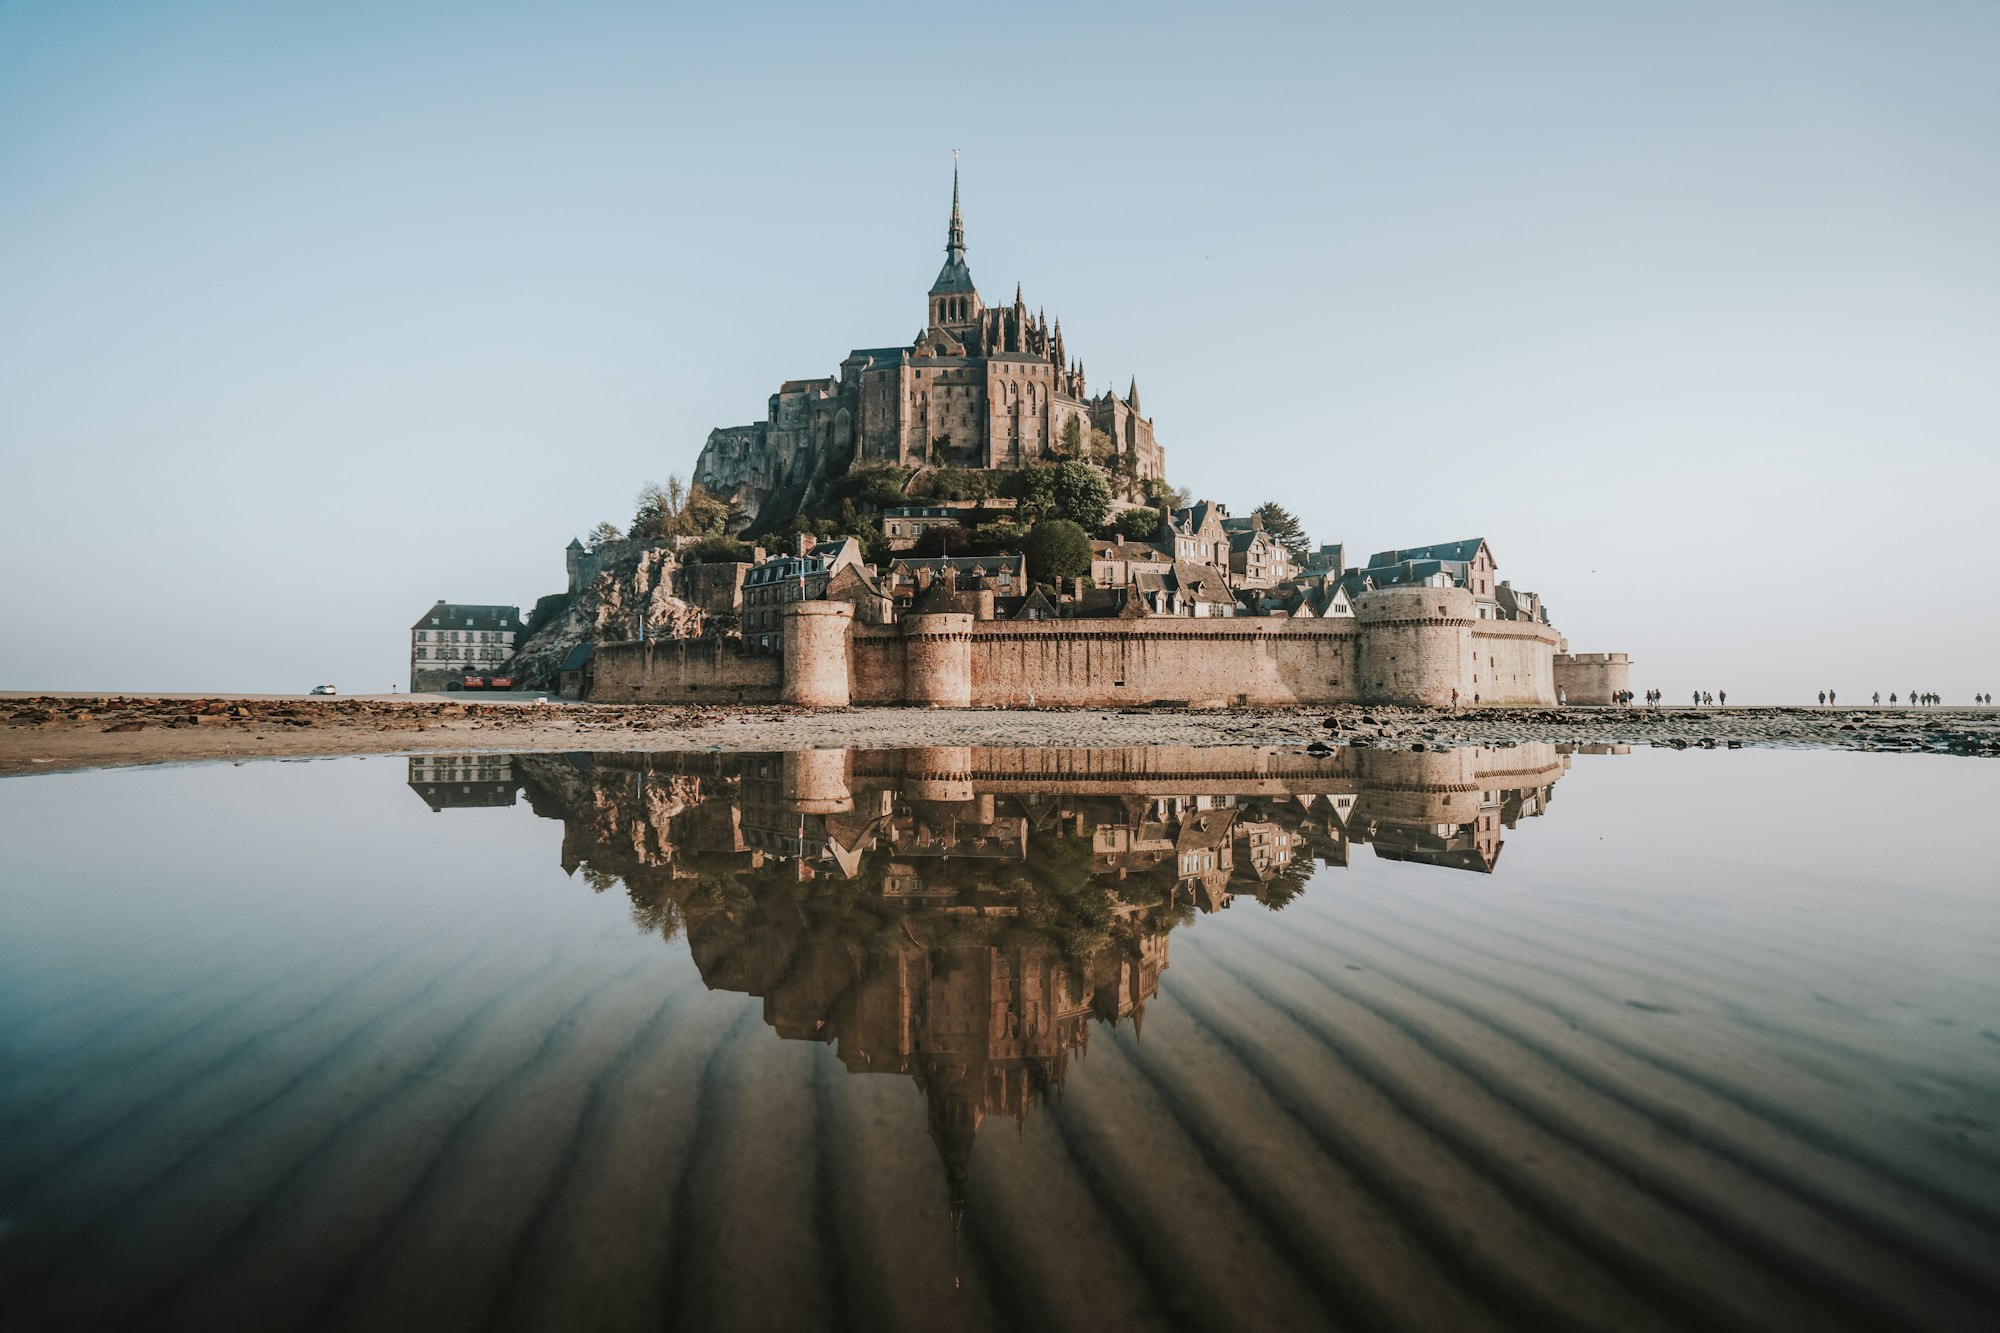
313 314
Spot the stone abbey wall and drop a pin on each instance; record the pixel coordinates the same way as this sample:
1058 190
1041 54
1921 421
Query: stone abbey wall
1404 645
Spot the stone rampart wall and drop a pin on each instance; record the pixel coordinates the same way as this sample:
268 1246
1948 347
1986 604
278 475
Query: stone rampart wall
1592 678
1239 662
1400 656
675 670
1514 662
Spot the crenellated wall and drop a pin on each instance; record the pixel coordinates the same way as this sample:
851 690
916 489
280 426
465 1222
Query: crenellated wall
1403 645
1592 678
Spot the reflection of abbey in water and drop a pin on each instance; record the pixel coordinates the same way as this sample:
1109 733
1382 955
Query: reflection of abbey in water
961 915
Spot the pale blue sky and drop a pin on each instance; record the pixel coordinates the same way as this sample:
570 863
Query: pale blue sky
310 318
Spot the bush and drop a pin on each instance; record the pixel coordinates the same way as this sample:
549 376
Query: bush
874 487
946 539
1057 549
1138 524
955 483
716 551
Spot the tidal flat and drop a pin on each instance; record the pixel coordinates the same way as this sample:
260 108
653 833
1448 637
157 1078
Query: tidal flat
1224 1035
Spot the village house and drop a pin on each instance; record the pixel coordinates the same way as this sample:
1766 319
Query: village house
453 638
1004 577
1195 534
1467 564
1256 558
904 525
1113 563
783 579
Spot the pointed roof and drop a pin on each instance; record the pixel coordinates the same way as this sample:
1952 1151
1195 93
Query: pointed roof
954 276
1132 396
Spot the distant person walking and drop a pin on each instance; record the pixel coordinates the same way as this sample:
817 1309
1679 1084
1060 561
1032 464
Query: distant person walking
1878 698
1892 698
1822 698
1722 697
1697 698
1454 701
1829 696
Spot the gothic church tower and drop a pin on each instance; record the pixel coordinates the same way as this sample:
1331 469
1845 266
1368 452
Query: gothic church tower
954 302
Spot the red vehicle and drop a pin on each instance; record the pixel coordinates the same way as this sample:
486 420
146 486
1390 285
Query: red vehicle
473 682
500 682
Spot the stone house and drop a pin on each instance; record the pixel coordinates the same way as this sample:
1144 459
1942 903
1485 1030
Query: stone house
453 638
1256 558
1005 576
1468 564
1195 534
1512 605
783 579
1113 563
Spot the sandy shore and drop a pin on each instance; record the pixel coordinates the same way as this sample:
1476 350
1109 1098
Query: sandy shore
40 734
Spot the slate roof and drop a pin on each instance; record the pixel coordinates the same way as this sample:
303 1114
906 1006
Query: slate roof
953 277
1462 552
876 356
578 656
974 565
469 615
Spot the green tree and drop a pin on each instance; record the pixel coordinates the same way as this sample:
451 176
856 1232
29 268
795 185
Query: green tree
673 509
1102 447
1284 527
1082 495
716 550
998 536
1070 443
945 539
602 533
1057 549
1139 524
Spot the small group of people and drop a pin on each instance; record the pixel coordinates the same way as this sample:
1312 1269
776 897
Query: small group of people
1720 698
1623 698
1928 699
1826 698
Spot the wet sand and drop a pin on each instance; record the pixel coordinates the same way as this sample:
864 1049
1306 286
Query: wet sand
48 733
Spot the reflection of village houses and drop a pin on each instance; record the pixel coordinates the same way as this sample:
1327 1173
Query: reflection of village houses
963 916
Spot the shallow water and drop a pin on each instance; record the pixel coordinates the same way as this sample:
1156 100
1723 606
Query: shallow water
1203 1038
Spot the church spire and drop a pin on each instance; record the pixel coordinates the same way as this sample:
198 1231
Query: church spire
954 244
1132 396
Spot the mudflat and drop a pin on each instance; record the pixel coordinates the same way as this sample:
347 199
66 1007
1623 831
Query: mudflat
47 733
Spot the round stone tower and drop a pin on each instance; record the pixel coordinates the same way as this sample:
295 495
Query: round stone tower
939 773
814 782
1416 645
937 660
816 648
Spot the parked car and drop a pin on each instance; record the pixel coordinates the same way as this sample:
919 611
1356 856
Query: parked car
472 682
323 689
503 681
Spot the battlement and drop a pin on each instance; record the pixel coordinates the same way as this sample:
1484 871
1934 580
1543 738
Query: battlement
1414 646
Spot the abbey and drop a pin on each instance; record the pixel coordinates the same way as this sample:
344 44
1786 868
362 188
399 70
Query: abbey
981 386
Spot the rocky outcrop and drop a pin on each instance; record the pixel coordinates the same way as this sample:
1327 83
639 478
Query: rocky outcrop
744 465
633 595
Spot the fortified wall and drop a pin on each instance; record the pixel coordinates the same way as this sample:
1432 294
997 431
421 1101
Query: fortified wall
1592 678
1410 646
